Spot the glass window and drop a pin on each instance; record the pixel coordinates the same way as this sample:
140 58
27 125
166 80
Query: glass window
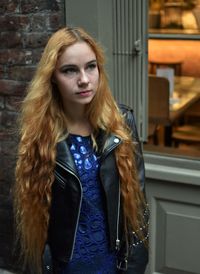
181 16
174 79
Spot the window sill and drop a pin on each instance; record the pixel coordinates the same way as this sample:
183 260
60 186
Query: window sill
173 169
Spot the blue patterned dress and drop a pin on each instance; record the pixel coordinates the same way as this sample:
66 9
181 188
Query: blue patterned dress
91 253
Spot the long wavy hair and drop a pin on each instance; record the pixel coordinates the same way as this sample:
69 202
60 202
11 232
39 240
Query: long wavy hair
43 125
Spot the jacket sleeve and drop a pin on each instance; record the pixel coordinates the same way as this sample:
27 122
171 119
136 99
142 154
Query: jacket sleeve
138 252
137 262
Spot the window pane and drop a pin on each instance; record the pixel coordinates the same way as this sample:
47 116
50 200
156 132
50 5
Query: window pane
181 16
174 86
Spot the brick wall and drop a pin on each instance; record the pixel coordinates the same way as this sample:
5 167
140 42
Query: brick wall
25 26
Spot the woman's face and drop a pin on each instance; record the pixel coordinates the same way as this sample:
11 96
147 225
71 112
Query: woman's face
76 75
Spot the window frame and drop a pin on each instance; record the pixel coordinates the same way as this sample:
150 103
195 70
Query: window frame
177 36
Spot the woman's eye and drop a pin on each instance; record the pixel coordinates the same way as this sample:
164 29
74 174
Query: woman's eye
70 71
92 66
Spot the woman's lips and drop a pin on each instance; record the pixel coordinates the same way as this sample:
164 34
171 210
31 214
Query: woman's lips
84 93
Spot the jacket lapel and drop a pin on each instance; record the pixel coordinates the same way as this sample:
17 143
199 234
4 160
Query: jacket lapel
64 156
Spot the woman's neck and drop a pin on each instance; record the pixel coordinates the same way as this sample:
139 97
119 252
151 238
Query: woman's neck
77 122
82 128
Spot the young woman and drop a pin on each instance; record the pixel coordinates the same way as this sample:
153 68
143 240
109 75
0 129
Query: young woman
79 196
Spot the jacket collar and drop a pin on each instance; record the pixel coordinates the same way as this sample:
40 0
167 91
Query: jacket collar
64 156
106 143
110 143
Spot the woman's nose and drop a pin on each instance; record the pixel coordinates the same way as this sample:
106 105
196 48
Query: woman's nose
83 78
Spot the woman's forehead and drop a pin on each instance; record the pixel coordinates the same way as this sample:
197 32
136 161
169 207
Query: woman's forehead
78 52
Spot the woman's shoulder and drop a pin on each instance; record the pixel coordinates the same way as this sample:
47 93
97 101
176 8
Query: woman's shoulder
124 108
128 113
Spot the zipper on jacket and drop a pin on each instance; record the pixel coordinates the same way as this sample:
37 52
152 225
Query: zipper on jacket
115 144
117 246
79 208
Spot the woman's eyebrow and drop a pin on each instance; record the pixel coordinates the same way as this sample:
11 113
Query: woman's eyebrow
75 65
92 61
68 66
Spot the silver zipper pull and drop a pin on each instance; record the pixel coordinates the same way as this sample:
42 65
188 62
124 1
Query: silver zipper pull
117 244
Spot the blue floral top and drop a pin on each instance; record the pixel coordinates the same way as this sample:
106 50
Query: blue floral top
91 253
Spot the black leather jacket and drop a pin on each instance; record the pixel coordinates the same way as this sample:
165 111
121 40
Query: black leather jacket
66 204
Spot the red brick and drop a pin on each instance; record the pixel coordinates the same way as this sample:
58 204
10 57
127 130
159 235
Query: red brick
4 56
7 167
6 134
9 6
14 22
10 87
2 71
38 22
54 22
8 119
17 56
2 102
35 39
21 73
36 55
10 39
32 6
13 103
20 57
8 145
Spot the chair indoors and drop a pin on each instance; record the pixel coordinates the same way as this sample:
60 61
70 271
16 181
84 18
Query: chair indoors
186 134
192 114
158 106
189 132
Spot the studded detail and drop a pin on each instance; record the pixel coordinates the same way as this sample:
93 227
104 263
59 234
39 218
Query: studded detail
142 228
116 140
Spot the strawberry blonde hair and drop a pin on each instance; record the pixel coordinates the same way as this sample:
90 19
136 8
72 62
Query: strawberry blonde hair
42 126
